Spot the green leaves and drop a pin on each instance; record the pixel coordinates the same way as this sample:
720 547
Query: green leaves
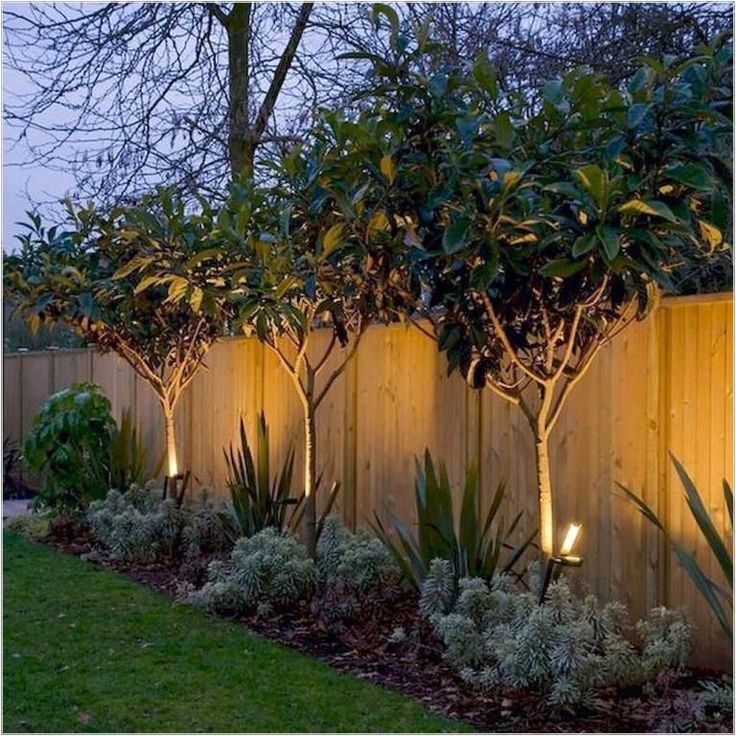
648 207
608 237
455 235
712 593
561 267
636 114
485 75
584 244
388 168
69 444
693 175
478 546
595 181
333 238
710 234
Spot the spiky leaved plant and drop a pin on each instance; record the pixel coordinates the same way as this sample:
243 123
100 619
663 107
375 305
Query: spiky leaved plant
475 545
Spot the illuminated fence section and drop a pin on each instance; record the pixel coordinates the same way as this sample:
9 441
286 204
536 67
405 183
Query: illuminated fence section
664 385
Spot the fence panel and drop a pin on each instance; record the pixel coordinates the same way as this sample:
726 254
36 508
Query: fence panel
663 386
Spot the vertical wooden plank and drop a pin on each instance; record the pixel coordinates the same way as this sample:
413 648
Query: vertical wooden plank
36 385
350 445
656 430
12 397
70 366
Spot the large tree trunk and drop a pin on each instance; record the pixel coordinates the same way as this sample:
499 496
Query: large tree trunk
310 470
544 495
240 146
244 135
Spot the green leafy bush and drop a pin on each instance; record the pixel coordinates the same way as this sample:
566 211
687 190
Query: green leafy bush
476 546
140 526
267 572
69 444
356 573
500 638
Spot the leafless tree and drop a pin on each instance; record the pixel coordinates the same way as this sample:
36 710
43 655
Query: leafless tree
130 95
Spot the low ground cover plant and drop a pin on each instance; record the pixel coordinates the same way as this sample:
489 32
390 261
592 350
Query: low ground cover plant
358 580
568 648
141 526
268 572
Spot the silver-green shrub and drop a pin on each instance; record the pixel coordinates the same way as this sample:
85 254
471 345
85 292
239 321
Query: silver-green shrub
140 526
205 529
267 572
356 573
359 561
134 526
502 638
35 527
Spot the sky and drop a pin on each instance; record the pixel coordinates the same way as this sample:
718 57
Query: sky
21 177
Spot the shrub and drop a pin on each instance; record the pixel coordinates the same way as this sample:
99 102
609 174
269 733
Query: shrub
69 443
13 484
718 599
474 546
258 500
267 572
140 526
128 456
356 573
135 526
500 638
35 527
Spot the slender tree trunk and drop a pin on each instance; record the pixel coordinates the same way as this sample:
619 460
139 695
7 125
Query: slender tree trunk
310 466
240 146
544 495
310 471
172 465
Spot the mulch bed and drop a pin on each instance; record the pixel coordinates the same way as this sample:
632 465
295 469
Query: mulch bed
418 670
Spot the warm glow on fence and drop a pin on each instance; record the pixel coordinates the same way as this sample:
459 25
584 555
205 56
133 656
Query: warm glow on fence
570 538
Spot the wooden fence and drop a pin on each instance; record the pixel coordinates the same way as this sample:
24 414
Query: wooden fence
664 385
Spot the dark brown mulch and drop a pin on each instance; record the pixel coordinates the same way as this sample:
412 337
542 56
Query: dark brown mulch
415 667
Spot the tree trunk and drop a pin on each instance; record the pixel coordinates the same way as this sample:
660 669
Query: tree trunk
240 146
172 466
544 495
310 470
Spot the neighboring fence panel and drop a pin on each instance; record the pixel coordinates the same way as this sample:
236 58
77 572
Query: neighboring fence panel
664 385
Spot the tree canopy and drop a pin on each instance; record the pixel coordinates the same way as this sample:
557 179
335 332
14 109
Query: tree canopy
541 224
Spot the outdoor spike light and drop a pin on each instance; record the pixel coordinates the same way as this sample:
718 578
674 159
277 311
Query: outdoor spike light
564 559
573 532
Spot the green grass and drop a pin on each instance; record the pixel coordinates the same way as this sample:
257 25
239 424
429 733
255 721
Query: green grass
86 649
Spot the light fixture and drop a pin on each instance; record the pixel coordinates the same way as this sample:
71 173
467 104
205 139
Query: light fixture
564 559
573 532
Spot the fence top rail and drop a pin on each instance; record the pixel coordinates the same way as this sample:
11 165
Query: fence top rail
668 302
49 351
680 301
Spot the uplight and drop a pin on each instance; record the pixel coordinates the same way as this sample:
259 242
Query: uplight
570 538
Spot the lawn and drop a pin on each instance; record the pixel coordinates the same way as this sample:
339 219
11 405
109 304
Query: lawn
86 649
